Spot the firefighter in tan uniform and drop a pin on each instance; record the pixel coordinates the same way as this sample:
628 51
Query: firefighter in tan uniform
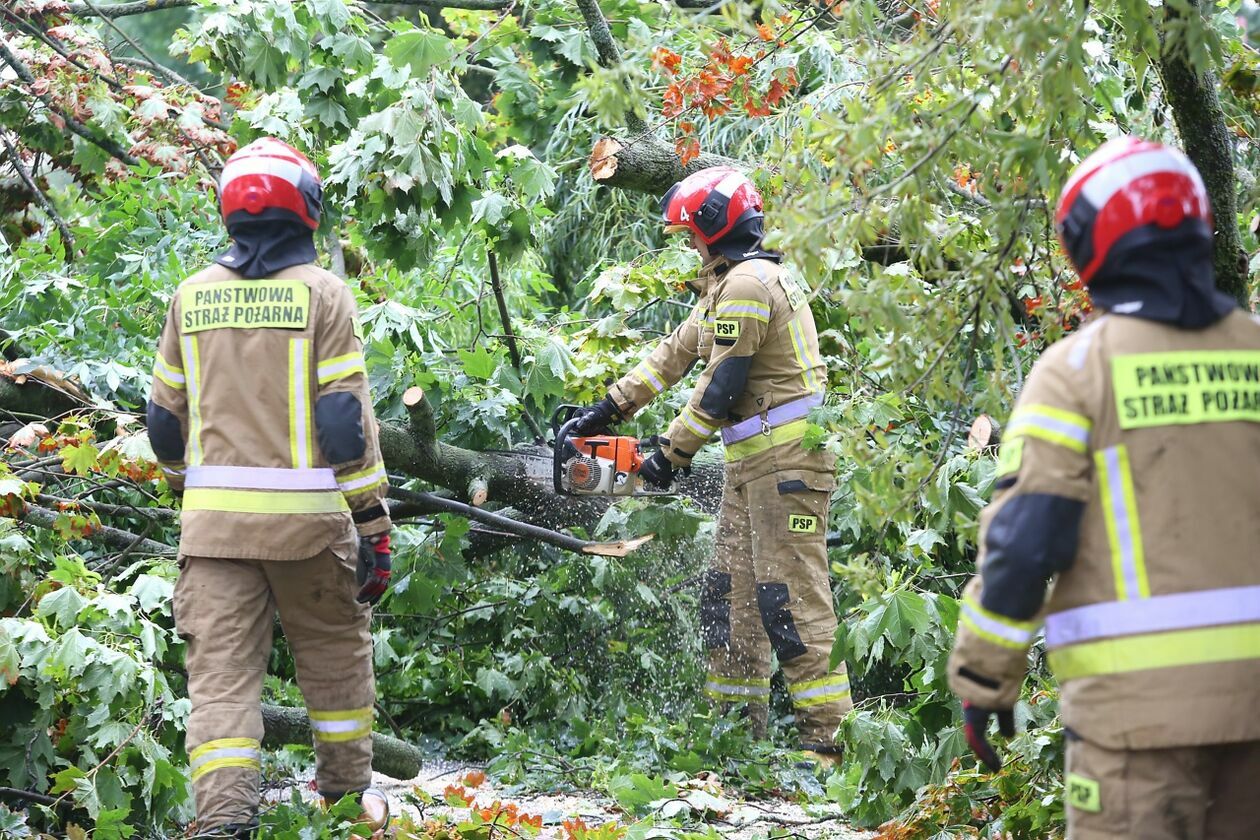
1130 475
260 416
768 587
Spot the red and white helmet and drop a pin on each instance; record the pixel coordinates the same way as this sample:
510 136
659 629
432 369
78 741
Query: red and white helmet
1130 192
709 203
273 180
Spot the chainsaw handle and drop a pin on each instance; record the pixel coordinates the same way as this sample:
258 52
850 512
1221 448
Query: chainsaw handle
562 441
562 415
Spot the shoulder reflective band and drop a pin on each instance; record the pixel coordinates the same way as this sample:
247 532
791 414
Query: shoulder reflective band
193 453
760 443
995 628
1010 456
1159 613
261 478
806 356
775 417
1195 386
694 423
348 725
330 370
799 523
649 377
1051 424
265 501
224 752
833 688
168 373
363 481
1084 794
244 304
300 437
1124 530
735 688
753 309
1202 646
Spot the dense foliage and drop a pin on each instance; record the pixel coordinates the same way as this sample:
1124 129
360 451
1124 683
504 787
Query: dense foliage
910 154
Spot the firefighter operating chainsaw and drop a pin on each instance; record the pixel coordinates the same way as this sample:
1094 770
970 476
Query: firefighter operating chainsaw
767 588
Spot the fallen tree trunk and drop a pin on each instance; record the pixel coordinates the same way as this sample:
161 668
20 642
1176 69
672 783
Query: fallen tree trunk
645 164
287 725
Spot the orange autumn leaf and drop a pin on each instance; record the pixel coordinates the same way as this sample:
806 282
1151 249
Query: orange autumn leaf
739 64
765 32
667 60
474 779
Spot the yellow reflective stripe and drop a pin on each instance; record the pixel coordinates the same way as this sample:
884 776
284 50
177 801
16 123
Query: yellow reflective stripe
1010 456
995 627
649 377
1124 529
802 351
755 682
221 744
364 480
753 309
170 374
1051 424
339 367
192 359
760 443
300 403
265 501
344 725
989 636
1157 650
693 422
220 763
828 689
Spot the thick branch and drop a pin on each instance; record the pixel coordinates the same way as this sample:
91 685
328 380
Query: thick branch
608 51
1196 109
646 164
118 10
286 725
34 398
43 200
112 537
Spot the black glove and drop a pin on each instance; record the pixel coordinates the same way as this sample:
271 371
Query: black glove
375 564
976 727
657 471
596 418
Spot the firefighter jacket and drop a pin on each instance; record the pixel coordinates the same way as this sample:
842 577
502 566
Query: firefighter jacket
260 414
753 329
1129 474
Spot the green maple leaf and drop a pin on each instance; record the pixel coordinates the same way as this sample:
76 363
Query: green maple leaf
421 51
479 364
79 459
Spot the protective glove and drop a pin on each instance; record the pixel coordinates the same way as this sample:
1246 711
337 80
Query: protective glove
657 471
976 727
596 418
375 563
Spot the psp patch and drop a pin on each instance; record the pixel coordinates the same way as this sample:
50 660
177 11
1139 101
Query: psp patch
800 523
1084 794
726 329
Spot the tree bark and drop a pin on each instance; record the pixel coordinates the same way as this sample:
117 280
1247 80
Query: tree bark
391 756
1196 109
645 164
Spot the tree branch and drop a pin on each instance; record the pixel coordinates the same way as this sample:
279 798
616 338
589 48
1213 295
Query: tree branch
43 200
391 756
113 537
118 10
645 164
1196 108
608 51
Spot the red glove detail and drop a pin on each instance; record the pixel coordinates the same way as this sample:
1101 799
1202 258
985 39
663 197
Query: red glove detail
975 728
375 565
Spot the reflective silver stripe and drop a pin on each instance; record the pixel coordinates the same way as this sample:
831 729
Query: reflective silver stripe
839 688
649 377
777 416
1157 614
338 725
226 752
737 690
376 476
1039 420
261 478
997 628
192 366
330 370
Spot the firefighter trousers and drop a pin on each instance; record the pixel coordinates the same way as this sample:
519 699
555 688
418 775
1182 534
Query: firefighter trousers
769 589
1181 793
224 609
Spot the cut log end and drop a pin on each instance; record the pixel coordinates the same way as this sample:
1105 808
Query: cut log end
478 492
604 158
985 433
413 396
617 549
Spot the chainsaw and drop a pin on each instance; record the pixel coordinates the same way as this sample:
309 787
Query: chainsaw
597 465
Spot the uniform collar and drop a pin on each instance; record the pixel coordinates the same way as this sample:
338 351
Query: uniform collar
710 273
